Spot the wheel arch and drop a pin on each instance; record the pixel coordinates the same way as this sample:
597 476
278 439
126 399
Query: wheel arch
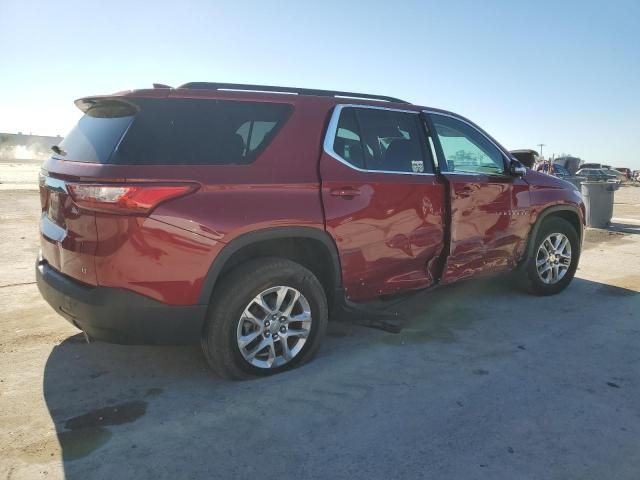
567 212
311 247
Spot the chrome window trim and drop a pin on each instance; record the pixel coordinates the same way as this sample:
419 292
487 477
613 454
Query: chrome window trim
477 174
332 131
434 154
472 174
505 154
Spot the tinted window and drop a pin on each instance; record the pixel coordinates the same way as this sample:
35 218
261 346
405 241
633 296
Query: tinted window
253 133
384 140
93 138
174 131
465 148
200 132
347 143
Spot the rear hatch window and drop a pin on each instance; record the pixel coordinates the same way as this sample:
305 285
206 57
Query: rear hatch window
97 133
173 132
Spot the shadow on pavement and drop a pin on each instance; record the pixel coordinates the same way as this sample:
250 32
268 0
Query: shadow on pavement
141 411
625 227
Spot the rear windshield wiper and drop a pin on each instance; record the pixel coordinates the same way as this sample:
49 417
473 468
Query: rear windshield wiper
58 150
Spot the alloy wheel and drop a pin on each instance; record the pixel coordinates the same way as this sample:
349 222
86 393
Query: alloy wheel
553 258
274 327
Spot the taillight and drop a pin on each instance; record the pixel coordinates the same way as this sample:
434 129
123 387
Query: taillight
127 199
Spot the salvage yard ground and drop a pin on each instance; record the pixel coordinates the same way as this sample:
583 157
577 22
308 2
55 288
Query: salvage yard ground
483 382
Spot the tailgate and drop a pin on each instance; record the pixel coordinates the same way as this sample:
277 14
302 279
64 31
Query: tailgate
68 236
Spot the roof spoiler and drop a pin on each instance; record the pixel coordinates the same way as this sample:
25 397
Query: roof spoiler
106 106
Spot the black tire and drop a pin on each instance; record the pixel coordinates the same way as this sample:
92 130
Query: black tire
231 297
528 275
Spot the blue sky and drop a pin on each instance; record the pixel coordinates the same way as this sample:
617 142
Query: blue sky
563 73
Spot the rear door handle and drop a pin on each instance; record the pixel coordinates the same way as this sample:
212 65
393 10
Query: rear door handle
465 192
345 192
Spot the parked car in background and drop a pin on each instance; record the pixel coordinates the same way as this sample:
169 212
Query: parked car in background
626 171
595 175
244 216
552 169
527 157
621 177
594 165
571 163
559 171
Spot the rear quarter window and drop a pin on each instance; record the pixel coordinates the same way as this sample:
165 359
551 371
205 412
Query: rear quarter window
200 132
174 132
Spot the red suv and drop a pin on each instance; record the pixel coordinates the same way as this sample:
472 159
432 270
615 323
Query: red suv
245 216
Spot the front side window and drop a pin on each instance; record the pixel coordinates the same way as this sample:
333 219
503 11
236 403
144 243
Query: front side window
382 140
466 150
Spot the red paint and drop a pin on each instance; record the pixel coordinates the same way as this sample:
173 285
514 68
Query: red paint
390 230
387 235
488 224
153 258
68 238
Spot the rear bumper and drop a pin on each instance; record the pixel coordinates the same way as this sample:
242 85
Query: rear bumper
117 315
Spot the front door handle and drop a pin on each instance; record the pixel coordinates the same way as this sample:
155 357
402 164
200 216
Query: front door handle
345 192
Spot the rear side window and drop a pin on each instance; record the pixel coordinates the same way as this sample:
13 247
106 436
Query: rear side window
347 143
382 140
181 132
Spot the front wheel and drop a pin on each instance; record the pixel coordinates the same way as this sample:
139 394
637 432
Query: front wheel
553 260
267 316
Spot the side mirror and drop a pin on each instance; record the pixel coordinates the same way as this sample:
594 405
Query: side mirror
516 168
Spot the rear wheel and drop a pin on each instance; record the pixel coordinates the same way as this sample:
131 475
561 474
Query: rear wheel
267 316
554 258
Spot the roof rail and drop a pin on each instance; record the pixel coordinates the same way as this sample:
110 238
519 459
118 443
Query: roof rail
290 90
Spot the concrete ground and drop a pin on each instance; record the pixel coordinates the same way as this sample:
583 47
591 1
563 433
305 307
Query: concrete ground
484 382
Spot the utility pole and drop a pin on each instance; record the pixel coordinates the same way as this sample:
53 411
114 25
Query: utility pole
541 145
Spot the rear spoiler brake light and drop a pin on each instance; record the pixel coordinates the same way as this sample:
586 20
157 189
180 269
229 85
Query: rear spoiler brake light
126 198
